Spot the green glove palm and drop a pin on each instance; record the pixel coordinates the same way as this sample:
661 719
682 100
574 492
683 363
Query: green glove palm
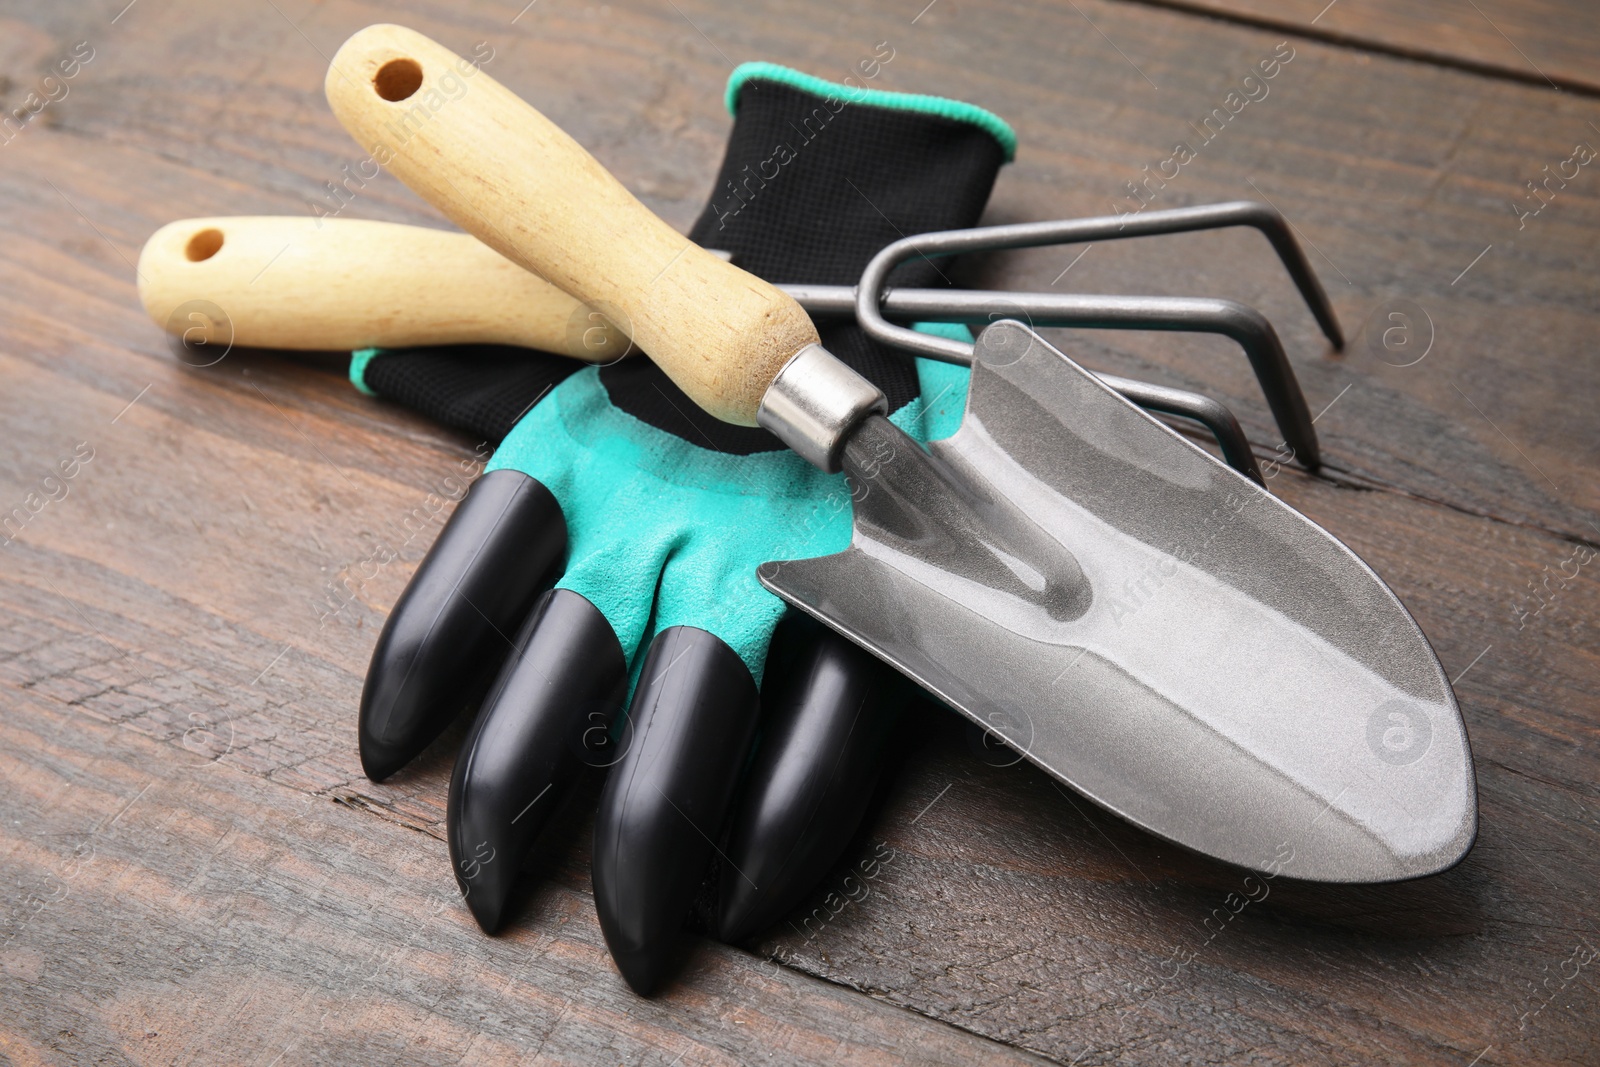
663 532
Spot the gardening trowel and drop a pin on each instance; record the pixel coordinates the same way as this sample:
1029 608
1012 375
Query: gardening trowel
1148 626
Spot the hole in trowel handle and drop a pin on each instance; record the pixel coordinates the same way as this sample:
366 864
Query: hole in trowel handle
203 245
398 79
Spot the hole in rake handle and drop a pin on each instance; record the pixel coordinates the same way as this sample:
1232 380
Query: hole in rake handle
203 245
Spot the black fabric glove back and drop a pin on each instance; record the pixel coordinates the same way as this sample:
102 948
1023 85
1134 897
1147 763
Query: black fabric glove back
866 177
481 390
845 180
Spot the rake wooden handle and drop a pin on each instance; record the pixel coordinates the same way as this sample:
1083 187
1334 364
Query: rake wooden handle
306 283
506 174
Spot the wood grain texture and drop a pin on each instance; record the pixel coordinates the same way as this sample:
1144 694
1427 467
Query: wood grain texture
1542 42
194 608
163 907
298 281
522 185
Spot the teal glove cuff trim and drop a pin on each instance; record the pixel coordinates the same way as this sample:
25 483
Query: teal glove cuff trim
358 368
956 110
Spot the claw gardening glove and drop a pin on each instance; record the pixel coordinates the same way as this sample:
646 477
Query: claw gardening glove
652 517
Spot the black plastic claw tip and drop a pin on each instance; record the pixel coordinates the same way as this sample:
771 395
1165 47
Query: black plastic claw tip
549 711
688 732
829 709
449 632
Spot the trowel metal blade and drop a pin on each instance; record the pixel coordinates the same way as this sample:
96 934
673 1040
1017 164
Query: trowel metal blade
1150 627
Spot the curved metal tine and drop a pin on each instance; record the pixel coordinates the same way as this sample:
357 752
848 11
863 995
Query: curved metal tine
1241 323
1251 213
1263 217
1214 415
1272 367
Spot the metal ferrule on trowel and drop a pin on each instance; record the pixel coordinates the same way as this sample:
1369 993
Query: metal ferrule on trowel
1147 625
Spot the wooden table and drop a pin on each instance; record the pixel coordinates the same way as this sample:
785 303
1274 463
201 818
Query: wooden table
195 869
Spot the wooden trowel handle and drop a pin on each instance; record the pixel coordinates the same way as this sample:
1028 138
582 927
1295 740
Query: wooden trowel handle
331 283
505 173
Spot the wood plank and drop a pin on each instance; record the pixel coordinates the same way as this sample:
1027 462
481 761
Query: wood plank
167 908
1542 42
1493 420
170 601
